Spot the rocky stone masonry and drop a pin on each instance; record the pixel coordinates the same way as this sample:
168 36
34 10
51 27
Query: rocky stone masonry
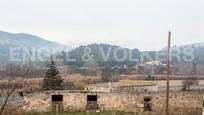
180 102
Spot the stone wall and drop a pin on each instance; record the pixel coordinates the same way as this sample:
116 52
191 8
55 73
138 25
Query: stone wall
132 89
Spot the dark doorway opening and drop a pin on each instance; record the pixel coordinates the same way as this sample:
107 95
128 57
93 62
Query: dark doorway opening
92 103
91 97
147 104
57 103
57 98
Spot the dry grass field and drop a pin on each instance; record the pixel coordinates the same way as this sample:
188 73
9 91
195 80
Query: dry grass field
96 80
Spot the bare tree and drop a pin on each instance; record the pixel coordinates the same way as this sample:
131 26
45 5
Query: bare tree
17 83
106 74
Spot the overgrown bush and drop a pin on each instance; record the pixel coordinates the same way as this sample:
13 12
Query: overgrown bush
188 83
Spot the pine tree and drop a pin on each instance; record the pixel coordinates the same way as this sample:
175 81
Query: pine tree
52 79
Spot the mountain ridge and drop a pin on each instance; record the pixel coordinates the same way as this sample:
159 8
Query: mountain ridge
19 39
24 40
8 40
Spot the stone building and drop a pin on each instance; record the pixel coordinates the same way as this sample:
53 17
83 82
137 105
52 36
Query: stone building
82 101
127 95
109 101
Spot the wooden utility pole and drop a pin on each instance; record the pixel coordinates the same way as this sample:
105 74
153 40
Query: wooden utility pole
168 73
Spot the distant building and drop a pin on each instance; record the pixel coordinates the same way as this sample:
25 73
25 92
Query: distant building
150 67
157 63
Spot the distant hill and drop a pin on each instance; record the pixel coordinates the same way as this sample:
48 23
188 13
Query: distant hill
184 52
18 41
195 50
103 54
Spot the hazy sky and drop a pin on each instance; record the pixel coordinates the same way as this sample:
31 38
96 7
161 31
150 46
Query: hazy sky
142 24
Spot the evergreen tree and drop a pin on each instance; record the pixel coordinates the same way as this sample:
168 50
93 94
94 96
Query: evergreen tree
52 79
